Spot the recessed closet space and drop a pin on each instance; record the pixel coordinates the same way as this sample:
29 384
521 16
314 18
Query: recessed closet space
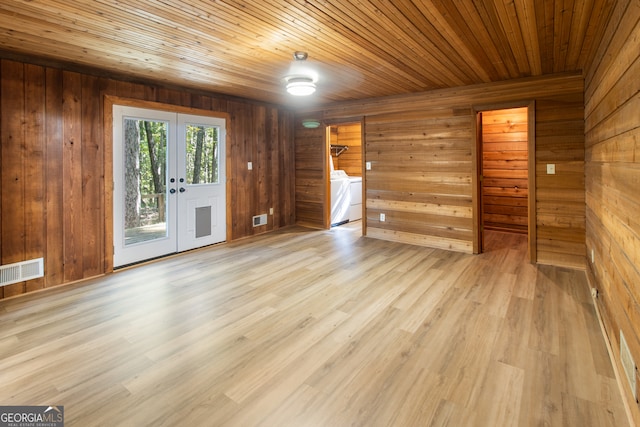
345 172
504 176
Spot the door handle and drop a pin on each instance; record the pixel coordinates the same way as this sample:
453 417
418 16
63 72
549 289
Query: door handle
172 191
182 189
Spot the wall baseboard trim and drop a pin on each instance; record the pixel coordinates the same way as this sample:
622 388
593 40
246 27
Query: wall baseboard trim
607 341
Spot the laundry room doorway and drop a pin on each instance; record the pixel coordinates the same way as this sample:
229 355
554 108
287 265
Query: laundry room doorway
345 174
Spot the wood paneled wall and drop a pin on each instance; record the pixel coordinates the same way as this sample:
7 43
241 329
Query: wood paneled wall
311 176
422 176
505 168
350 160
612 122
52 153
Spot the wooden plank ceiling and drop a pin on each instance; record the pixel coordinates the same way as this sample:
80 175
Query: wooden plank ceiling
360 49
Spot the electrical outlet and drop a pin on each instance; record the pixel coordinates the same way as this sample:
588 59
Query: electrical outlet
270 211
249 166
383 217
551 169
367 166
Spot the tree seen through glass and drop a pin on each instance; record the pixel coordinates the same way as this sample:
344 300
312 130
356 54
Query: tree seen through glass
145 152
202 154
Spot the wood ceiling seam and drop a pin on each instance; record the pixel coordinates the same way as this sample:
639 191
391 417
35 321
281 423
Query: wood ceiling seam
577 32
268 75
494 38
482 47
234 46
410 52
525 10
597 30
507 16
377 47
383 79
161 65
35 46
544 19
560 44
419 39
102 30
447 32
235 33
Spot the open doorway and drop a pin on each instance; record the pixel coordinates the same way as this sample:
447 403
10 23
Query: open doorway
506 173
344 147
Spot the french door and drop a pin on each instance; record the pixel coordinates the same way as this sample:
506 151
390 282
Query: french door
169 183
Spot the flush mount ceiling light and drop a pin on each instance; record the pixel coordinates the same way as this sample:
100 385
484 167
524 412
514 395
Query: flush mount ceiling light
300 86
301 81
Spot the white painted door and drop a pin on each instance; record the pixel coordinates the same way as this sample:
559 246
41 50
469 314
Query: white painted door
169 183
201 187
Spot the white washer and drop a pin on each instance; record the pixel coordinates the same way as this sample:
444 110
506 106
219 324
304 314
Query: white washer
355 209
340 197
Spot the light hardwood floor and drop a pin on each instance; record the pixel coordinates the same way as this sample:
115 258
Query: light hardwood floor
316 328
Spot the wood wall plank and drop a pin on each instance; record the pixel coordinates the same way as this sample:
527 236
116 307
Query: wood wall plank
310 176
92 177
60 207
612 130
13 157
54 218
286 208
72 175
34 178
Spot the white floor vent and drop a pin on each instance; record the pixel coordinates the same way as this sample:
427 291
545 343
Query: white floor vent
260 220
628 365
21 271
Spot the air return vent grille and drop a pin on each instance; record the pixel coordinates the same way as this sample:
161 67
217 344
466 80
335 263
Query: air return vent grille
260 220
21 271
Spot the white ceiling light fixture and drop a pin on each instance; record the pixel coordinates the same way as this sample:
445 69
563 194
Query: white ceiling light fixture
301 86
302 83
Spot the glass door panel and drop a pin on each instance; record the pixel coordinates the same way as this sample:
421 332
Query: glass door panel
145 195
202 154
144 202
